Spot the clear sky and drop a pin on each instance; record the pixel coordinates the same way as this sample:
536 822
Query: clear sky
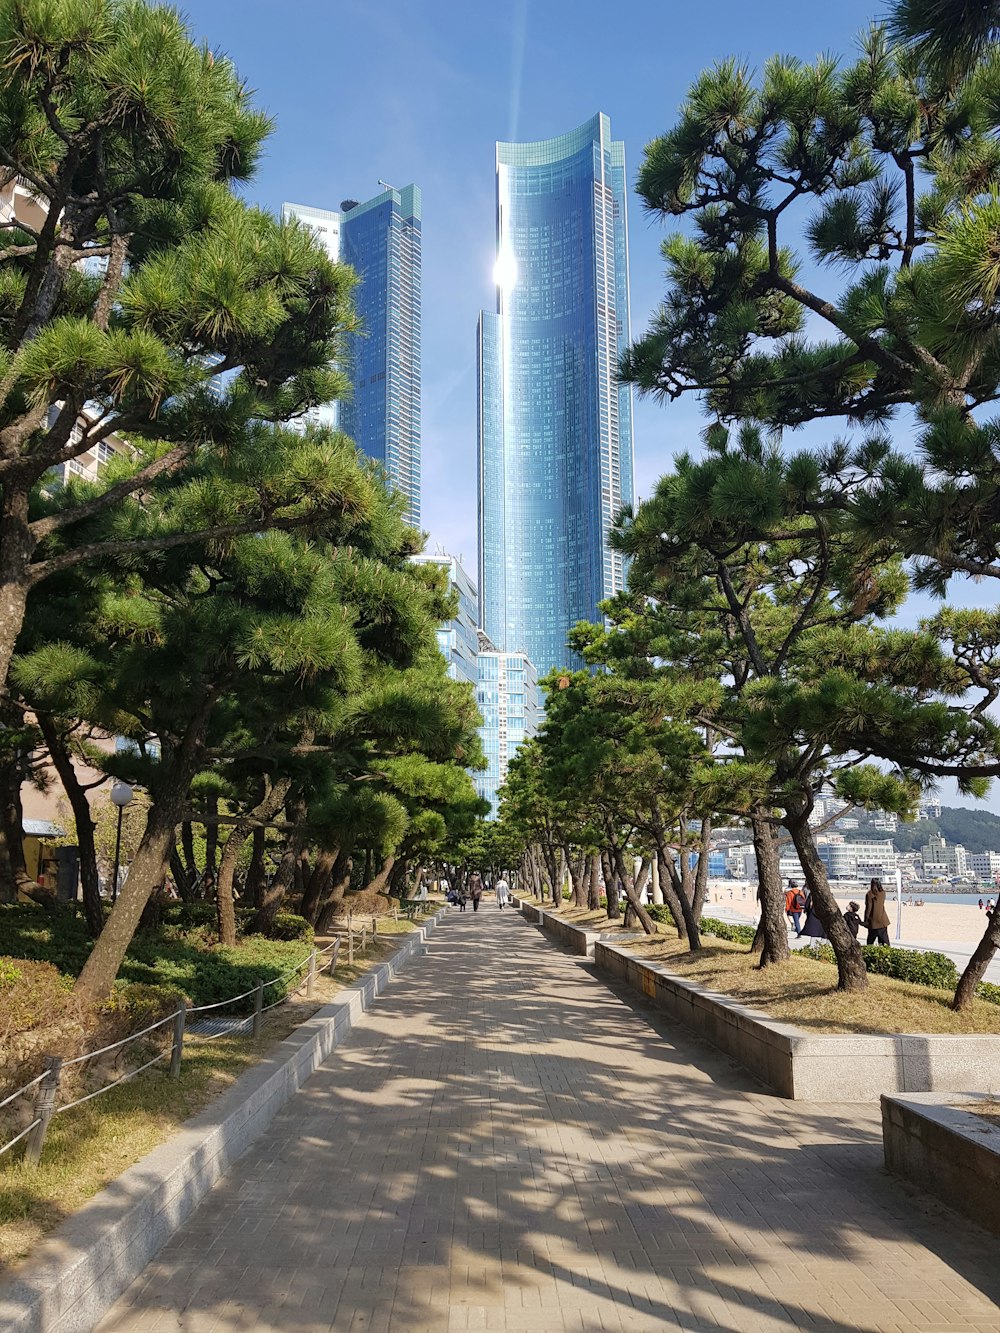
420 90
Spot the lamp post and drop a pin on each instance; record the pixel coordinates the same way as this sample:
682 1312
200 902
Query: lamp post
121 794
899 904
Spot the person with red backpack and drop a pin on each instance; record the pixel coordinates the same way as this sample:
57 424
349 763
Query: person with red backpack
795 905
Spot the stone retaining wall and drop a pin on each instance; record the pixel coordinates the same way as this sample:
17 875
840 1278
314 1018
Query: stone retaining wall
955 1156
801 1065
81 1270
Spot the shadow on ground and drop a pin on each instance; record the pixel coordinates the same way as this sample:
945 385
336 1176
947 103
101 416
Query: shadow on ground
507 1142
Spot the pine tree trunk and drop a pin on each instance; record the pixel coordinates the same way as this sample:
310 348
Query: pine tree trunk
852 975
211 835
284 876
680 908
17 544
90 880
772 931
265 809
340 880
13 871
975 968
631 894
701 874
145 874
187 847
380 880
594 882
253 889
318 884
149 866
613 908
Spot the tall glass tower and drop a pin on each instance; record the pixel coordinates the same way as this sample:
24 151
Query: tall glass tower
380 239
554 425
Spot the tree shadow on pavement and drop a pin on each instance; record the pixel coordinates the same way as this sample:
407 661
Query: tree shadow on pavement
509 1142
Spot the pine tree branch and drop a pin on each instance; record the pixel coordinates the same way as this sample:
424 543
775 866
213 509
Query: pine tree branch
166 463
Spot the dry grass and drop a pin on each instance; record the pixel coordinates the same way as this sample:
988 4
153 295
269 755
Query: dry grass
988 1110
89 1146
803 991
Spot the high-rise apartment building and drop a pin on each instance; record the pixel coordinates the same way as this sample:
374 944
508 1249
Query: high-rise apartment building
554 425
507 695
458 639
380 239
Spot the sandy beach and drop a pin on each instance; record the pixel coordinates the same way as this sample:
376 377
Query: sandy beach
934 923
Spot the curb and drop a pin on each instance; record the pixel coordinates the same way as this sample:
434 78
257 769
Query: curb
79 1272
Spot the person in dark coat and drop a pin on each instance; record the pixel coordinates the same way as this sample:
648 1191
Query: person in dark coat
812 926
853 919
876 917
475 889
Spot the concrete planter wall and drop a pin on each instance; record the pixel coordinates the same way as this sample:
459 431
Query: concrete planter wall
797 1064
81 1270
938 1146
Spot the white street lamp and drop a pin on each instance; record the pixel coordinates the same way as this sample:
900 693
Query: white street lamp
121 794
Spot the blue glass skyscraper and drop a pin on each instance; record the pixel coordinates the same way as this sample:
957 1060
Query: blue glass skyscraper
380 239
554 425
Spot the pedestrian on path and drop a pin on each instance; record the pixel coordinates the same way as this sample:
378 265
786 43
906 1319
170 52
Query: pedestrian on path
876 917
853 919
812 926
795 902
503 893
460 898
475 889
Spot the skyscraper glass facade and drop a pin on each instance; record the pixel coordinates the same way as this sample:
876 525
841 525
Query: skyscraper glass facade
381 240
554 426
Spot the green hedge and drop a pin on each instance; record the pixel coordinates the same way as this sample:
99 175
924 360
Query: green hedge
920 969
987 991
726 930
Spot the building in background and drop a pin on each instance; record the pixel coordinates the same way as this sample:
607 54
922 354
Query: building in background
554 424
507 696
381 240
458 639
939 859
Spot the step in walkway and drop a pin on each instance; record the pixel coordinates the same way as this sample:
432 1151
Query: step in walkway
505 1143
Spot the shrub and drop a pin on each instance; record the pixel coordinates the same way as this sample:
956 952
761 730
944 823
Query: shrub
660 912
288 926
920 969
725 930
987 991
55 935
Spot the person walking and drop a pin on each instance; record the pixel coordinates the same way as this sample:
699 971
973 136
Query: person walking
981 904
876 917
795 902
503 893
853 919
475 889
812 927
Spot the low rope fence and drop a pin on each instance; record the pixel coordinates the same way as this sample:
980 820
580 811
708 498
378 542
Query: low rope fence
44 1089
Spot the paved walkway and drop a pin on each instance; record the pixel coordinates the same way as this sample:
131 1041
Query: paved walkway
504 1143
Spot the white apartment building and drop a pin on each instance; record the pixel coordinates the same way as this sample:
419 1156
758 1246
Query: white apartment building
985 865
940 859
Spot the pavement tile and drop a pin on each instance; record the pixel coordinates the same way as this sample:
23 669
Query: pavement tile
506 1143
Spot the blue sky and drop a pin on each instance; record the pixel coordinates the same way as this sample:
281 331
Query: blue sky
420 90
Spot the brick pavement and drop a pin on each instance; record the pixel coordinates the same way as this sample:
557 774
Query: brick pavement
505 1143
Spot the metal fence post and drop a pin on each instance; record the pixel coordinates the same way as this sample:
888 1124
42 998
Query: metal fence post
45 1104
178 1047
311 976
258 1005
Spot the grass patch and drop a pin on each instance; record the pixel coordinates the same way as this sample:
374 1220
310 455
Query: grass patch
803 991
89 1146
